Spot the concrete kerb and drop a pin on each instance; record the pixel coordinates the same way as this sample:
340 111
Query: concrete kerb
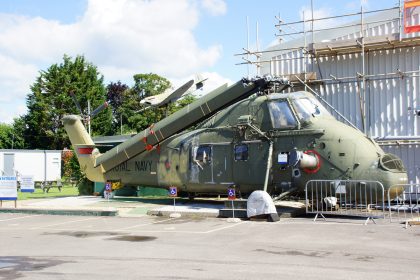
126 207
68 206
65 212
120 206
190 210
185 214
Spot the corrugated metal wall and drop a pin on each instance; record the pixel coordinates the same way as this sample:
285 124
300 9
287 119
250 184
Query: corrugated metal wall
389 100
388 97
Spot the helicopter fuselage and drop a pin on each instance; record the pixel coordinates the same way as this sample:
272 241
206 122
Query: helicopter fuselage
277 141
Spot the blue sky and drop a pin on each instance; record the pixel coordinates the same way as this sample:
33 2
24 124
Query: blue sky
174 38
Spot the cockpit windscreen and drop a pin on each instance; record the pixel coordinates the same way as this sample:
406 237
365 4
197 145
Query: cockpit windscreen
281 115
307 108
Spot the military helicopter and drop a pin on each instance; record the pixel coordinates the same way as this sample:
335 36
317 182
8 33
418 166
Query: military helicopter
250 135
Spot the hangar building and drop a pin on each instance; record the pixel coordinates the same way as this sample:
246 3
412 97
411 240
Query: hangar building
366 64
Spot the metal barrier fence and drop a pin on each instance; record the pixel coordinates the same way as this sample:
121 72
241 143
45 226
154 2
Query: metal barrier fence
404 203
345 197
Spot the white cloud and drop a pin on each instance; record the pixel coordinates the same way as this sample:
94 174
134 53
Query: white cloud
36 40
5 116
10 110
15 78
121 37
215 7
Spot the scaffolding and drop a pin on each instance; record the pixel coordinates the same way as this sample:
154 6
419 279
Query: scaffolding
312 51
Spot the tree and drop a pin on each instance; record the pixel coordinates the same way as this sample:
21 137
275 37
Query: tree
11 135
181 103
125 103
145 85
115 96
50 100
149 84
18 133
6 136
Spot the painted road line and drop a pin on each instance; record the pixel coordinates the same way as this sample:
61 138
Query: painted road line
17 218
65 223
184 231
148 224
226 227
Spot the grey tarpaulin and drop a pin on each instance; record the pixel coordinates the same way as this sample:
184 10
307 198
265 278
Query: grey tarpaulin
260 203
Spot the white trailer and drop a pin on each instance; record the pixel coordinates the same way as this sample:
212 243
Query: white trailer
43 165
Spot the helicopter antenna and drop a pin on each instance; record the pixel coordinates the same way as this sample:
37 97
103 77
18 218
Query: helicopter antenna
326 102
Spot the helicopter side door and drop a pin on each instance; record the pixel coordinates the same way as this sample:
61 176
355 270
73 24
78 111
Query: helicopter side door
222 163
212 164
250 163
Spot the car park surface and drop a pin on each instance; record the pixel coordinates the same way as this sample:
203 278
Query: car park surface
150 247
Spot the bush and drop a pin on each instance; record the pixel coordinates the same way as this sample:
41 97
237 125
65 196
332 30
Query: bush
85 187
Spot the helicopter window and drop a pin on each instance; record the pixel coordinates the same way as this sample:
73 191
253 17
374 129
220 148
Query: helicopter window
281 115
203 154
305 109
241 152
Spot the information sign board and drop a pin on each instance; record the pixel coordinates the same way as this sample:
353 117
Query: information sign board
27 183
8 188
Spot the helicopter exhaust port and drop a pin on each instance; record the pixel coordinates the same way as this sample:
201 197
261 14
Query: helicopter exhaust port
309 161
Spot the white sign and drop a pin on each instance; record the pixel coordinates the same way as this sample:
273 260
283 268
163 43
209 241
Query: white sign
340 189
27 183
282 158
8 188
173 191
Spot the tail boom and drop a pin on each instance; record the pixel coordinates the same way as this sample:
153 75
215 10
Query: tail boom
84 147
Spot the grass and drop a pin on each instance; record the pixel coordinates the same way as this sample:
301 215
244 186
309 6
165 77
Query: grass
66 190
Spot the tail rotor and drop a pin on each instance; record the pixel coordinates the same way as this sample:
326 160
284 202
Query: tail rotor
89 115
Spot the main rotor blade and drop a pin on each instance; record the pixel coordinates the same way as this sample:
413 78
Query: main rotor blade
200 84
73 96
99 109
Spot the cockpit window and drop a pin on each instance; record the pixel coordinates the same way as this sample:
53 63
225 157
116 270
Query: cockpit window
281 115
307 108
203 154
241 152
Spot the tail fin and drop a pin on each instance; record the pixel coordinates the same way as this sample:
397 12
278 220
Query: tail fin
84 147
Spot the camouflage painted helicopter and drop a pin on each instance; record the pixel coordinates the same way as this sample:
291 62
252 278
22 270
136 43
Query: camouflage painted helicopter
249 135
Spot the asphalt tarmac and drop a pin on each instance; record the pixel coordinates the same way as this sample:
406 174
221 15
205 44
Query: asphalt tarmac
147 247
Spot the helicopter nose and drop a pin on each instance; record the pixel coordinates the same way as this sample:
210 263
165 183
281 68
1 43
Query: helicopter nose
393 183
